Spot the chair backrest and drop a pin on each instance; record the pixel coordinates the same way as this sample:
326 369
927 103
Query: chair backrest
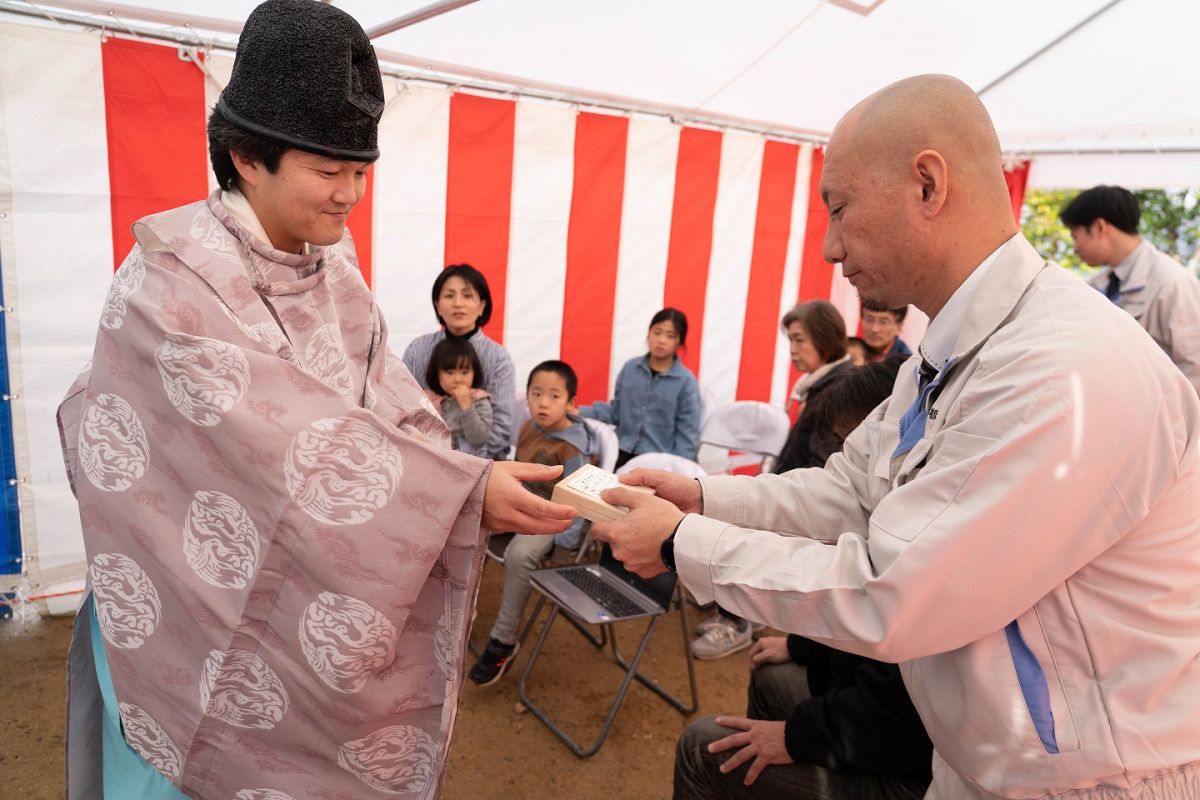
520 414
610 447
665 461
755 431
708 404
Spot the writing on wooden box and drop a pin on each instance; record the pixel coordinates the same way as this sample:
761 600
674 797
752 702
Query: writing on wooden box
581 490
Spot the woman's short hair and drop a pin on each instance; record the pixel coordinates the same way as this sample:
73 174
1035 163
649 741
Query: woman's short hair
450 353
824 325
473 278
677 318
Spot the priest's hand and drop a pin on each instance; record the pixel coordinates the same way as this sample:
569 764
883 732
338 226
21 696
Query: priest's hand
509 506
637 537
684 492
757 739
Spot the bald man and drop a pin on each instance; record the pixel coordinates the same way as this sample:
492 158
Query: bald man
1018 527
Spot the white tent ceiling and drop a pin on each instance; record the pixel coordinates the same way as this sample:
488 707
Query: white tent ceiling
1094 90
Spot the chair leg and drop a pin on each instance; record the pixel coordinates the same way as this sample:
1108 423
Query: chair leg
650 683
527 628
576 747
586 543
597 641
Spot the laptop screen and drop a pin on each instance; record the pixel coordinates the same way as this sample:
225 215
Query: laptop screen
660 587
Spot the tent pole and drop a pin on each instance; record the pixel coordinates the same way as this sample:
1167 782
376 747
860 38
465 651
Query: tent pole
401 66
117 15
1048 46
413 17
90 14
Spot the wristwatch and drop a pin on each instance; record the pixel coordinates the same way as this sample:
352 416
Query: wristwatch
667 550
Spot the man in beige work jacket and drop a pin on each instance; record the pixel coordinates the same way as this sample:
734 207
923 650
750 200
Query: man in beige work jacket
1018 527
1158 292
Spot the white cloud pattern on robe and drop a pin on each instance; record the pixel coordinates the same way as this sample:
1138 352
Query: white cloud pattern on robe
150 741
341 470
220 540
444 647
269 334
336 267
210 234
396 759
127 281
126 602
203 378
325 357
262 794
239 688
113 449
346 640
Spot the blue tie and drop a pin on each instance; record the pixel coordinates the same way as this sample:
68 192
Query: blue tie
912 424
1113 290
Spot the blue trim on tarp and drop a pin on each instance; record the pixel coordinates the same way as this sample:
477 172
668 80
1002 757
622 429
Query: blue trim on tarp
10 514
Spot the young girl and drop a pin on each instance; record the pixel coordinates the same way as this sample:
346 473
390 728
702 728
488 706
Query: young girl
656 402
454 377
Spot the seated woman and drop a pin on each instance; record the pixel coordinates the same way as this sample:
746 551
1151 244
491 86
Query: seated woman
817 336
463 305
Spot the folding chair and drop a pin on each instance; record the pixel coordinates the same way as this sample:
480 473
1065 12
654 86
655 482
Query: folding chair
520 414
672 597
665 461
672 463
755 432
708 404
608 450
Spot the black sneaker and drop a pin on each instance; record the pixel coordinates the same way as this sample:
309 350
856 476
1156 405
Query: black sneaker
492 665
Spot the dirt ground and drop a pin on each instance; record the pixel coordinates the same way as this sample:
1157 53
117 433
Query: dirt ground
499 750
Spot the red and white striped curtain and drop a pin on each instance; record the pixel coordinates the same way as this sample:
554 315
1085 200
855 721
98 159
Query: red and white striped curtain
584 223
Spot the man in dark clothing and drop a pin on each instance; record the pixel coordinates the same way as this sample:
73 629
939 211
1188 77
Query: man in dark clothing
833 724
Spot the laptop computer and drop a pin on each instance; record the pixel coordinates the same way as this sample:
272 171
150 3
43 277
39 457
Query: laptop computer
606 591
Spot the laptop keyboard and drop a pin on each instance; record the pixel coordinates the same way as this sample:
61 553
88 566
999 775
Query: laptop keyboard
606 596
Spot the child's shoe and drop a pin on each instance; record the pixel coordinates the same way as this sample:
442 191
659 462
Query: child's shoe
493 663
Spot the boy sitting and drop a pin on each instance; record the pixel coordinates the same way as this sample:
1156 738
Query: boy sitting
554 434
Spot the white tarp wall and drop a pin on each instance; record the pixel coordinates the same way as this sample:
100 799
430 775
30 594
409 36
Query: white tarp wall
585 223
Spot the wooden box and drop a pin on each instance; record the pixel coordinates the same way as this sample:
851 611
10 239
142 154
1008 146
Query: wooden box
581 490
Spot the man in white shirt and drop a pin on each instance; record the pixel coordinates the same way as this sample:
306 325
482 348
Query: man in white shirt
1160 293
1018 526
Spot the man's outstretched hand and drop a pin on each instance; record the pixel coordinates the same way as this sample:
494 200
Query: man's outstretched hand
674 488
509 506
637 537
